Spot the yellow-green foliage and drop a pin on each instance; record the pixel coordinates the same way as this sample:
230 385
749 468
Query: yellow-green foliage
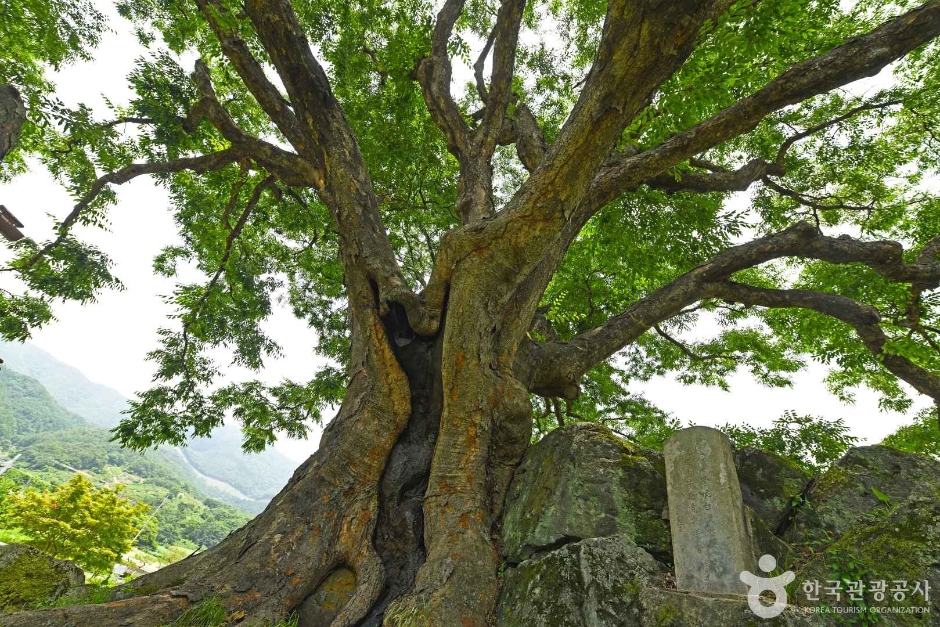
91 526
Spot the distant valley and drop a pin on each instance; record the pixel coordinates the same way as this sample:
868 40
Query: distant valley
216 467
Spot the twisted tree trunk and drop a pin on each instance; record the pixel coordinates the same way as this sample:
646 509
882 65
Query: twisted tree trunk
403 493
401 503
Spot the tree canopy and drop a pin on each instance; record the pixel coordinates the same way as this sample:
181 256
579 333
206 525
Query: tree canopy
243 127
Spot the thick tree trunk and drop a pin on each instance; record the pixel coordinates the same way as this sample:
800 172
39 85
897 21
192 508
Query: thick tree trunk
12 116
403 494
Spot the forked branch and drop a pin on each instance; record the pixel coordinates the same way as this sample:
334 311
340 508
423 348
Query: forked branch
719 179
203 163
252 74
856 59
434 73
863 318
554 368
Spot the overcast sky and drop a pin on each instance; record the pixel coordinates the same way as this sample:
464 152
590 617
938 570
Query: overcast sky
108 340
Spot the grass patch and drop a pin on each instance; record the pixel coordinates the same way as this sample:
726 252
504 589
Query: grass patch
88 595
211 613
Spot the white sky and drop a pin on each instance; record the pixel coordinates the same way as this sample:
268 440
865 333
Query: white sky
108 340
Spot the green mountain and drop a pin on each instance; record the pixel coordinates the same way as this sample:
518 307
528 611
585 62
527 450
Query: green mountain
97 404
221 468
52 443
26 408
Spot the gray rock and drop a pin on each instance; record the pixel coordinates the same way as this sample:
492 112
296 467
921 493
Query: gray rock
769 484
591 583
843 495
764 542
673 608
609 582
582 481
28 576
710 537
901 543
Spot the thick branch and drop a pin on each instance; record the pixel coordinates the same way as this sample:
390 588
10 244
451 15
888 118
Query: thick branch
524 131
861 57
203 163
434 74
555 368
639 50
347 188
863 318
252 74
290 168
506 31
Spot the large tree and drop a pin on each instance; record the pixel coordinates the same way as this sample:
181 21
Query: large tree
472 254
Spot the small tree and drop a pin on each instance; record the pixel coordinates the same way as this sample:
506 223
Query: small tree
93 527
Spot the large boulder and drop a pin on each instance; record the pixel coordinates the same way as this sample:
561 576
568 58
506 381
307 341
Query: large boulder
610 582
865 481
29 577
901 544
660 607
770 484
591 583
581 481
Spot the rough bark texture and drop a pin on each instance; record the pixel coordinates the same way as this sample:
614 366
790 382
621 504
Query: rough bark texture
400 506
12 116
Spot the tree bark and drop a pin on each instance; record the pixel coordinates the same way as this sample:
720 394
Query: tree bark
404 490
12 116
403 498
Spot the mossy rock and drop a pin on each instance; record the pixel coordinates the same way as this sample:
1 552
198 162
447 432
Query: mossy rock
29 577
672 608
591 583
843 496
610 582
769 484
582 481
902 543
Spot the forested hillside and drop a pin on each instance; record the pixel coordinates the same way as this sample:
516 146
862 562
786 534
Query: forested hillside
26 408
257 477
51 442
99 405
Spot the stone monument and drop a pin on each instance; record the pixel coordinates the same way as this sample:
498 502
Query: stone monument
710 540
